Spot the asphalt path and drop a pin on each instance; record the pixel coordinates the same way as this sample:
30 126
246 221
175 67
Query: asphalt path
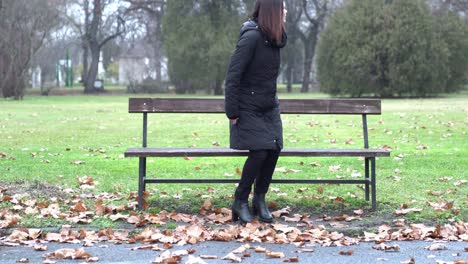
362 253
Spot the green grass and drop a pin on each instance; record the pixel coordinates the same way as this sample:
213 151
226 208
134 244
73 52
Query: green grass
42 136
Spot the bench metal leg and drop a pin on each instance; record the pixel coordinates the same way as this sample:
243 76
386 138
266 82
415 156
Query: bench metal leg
374 185
141 182
367 178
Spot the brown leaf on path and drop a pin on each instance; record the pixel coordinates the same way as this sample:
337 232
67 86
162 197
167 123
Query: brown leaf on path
208 257
23 260
274 254
40 247
241 249
68 253
387 248
347 253
259 249
409 261
435 247
292 260
232 257
195 260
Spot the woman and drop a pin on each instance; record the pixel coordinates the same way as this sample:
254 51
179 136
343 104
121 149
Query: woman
252 105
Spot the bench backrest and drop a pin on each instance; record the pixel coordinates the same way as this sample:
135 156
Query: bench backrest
288 106
363 107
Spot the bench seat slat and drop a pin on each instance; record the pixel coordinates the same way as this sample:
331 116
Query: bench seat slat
212 152
236 180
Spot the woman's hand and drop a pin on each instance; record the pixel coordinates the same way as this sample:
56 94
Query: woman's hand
234 121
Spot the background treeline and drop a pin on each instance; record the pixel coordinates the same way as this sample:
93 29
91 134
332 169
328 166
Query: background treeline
364 47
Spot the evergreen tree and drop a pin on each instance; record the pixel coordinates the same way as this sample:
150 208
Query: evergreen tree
199 36
390 48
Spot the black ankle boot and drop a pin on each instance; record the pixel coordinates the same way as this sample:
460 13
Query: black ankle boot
241 210
261 209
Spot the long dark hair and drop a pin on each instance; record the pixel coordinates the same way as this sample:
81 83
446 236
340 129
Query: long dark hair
269 16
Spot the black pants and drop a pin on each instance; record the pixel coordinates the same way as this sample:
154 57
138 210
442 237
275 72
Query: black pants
258 167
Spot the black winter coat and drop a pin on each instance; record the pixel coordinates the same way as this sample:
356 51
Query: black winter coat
251 91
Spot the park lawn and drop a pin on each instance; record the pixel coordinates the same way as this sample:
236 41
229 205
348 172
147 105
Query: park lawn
47 142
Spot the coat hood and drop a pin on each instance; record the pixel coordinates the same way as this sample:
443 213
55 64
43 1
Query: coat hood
251 24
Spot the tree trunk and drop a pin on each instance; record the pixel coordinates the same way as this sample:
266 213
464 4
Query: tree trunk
84 74
307 68
289 75
93 70
218 88
309 58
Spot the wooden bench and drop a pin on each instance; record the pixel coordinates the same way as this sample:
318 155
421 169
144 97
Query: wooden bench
361 107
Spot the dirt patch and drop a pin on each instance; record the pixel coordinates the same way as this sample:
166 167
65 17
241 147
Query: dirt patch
35 189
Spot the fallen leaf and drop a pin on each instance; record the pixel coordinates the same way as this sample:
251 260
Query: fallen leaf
444 179
208 257
23 260
195 260
460 182
347 253
409 261
435 247
334 168
40 247
386 248
274 254
232 257
358 212
405 211
259 249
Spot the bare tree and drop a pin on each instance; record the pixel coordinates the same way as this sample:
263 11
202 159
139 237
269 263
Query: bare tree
315 12
292 27
24 27
95 28
152 19
97 38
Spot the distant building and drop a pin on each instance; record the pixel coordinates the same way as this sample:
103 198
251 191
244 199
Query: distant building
135 65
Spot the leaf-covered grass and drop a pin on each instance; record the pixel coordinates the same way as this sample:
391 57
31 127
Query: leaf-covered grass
54 140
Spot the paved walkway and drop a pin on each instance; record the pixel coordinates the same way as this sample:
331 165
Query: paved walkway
362 253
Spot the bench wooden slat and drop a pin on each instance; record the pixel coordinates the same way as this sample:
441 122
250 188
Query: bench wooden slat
221 152
288 106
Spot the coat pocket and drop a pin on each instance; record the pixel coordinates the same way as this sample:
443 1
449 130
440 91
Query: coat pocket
234 140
